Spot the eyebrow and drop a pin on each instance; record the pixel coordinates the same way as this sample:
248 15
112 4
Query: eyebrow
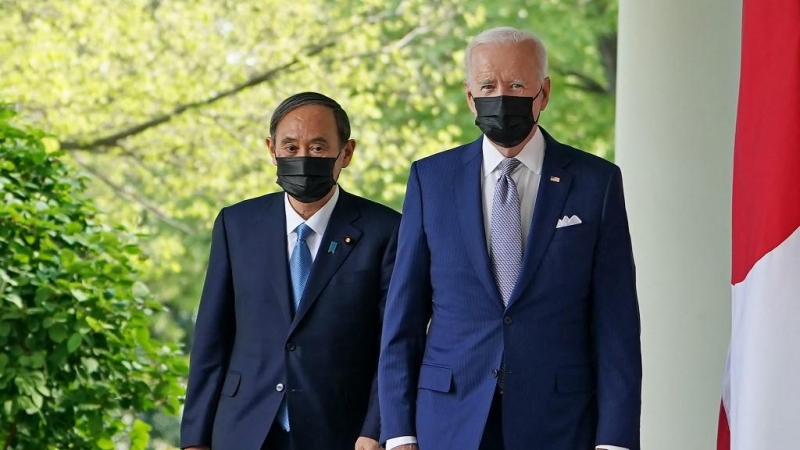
493 81
318 139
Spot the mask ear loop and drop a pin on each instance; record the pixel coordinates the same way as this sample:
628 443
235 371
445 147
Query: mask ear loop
536 119
336 180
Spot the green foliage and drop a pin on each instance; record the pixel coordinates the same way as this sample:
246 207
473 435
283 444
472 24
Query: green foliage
77 359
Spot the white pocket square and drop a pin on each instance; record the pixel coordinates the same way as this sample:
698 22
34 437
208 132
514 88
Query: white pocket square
568 221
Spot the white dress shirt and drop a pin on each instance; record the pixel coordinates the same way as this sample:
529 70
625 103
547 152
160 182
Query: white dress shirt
318 222
526 176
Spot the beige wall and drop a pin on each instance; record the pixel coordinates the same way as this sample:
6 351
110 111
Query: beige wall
676 107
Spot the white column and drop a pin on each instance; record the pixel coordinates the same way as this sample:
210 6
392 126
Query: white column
676 108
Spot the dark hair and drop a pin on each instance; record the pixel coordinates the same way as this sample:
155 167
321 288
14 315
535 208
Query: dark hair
312 98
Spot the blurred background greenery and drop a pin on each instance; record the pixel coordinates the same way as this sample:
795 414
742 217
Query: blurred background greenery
164 104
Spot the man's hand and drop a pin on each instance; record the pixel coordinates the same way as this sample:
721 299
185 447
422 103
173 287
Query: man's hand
407 447
365 443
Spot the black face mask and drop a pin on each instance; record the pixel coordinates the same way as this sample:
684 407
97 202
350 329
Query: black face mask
506 120
306 178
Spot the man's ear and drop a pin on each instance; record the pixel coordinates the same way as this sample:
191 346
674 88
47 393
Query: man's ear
545 93
347 151
470 99
271 147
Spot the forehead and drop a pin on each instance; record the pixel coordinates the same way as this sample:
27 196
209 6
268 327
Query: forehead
513 60
307 121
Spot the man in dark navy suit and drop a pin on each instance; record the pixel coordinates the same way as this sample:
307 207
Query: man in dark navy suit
288 331
514 318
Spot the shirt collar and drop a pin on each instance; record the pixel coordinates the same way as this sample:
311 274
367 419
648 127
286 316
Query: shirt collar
531 156
318 222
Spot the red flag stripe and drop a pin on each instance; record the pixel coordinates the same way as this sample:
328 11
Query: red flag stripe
766 212
724 431
766 194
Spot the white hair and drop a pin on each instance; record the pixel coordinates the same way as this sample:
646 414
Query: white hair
508 35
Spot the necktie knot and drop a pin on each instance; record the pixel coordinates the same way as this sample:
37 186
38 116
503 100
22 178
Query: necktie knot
303 232
508 165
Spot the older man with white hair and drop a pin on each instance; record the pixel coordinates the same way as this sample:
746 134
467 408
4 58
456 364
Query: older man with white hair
512 321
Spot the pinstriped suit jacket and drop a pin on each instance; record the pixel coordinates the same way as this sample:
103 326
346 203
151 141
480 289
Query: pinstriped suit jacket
570 334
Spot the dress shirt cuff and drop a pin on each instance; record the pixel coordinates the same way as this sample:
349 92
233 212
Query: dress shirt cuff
398 441
610 447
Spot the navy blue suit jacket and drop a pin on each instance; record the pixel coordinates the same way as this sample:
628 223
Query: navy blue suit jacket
247 341
570 334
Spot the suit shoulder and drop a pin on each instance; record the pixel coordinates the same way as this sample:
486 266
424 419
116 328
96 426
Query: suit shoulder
589 162
444 157
248 206
447 160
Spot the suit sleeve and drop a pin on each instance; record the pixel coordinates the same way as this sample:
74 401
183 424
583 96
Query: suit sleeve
213 339
408 310
616 325
372 421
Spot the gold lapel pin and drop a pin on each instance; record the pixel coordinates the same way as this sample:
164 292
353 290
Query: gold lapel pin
348 240
555 179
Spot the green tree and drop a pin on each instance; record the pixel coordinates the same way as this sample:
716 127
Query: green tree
77 360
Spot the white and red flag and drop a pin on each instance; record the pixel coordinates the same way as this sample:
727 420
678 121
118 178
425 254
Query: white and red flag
761 395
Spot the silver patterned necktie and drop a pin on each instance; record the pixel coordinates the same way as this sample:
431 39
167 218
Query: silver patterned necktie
506 240
506 234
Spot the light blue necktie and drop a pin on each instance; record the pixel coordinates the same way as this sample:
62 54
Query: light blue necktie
300 263
506 239
299 266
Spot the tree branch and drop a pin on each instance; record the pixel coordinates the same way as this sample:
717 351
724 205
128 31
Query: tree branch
583 82
132 195
235 140
410 36
607 49
11 436
607 45
103 143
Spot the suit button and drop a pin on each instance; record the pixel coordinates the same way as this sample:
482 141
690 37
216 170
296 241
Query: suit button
279 387
291 347
494 373
508 320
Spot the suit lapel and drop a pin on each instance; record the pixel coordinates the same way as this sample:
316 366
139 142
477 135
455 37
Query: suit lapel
554 186
328 260
470 213
268 250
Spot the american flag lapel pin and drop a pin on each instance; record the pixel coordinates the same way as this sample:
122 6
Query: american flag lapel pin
555 179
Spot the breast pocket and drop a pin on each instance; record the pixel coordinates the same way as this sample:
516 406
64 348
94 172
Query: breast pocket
580 231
